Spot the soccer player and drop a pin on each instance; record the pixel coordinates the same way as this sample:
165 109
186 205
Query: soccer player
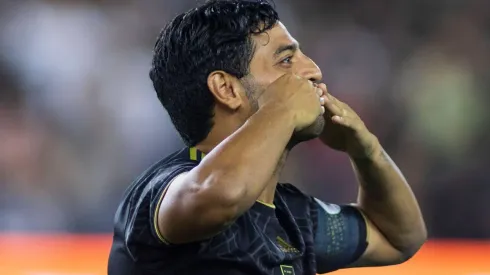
241 93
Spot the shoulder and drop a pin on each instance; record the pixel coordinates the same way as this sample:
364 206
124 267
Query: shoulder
161 173
137 207
292 193
298 202
288 189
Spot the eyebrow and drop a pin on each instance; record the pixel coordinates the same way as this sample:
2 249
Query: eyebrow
290 47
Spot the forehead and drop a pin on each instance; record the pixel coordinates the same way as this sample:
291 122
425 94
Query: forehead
267 43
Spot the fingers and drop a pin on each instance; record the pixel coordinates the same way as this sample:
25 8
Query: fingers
340 113
352 123
323 87
340 120
332 107
322 104
345 121
319 92
334 99
337 107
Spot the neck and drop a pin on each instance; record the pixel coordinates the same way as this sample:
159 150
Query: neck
218 134
267 195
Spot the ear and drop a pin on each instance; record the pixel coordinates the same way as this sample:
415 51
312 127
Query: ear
226 89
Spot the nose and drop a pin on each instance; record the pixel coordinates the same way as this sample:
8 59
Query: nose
308 69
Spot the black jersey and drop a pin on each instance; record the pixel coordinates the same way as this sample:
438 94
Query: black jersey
297 235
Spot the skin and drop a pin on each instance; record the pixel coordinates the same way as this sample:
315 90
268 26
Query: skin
284 109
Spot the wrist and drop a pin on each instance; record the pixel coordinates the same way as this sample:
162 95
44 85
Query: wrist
371 152
278 113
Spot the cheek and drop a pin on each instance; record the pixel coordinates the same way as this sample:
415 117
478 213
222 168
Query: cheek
265 74
266 79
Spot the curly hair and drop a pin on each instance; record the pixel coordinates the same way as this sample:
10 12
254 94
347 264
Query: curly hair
214 36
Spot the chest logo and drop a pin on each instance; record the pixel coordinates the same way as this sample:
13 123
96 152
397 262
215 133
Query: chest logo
287 270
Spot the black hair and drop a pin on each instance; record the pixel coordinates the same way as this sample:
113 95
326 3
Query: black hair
214 36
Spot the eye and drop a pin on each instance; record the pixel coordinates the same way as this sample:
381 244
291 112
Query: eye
287 60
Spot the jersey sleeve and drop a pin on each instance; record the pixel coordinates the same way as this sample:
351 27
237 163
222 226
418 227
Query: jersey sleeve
156 197
340 235
141 208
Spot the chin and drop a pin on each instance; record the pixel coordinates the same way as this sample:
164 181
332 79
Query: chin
311 132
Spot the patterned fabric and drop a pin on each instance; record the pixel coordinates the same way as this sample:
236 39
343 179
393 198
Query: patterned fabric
340 237
265 240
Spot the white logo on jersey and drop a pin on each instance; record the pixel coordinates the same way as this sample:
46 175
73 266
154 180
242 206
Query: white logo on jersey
330 208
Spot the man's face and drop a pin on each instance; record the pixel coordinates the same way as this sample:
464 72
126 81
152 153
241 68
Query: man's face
276 54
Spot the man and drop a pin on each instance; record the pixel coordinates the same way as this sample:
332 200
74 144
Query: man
241 93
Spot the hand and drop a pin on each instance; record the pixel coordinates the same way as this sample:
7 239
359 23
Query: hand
345 131
300 97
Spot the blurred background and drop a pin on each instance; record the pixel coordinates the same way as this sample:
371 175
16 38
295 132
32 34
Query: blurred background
79 119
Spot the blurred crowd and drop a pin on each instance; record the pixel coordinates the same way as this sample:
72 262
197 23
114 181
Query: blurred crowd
79 119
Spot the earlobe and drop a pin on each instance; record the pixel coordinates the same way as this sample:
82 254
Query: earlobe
225 89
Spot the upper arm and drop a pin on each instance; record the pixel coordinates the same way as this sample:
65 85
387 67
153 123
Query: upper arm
379 251
184 214
346 238
158 220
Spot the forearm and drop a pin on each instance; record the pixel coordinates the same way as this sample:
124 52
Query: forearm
241 166
227 182
388 201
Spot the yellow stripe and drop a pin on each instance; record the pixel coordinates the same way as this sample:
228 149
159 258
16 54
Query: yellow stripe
366 220
193 153
267 204
155 217
283 242
368 229
202 155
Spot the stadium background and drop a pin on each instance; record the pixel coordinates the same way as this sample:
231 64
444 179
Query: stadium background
79 119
